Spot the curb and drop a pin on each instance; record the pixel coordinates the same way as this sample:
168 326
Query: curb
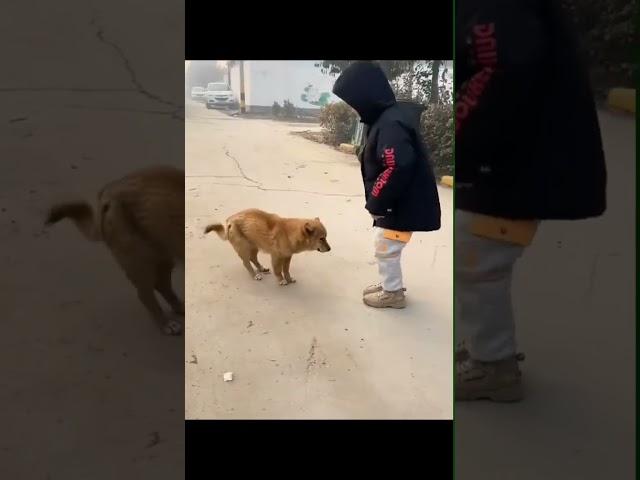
622 99
447 181
347 148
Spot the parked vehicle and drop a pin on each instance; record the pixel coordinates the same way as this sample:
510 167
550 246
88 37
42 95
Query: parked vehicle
219 95
197 93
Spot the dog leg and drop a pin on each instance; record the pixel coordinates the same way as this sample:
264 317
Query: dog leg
254 260
148 299
287 275
139 265
245 252
255 275
164 287
277 263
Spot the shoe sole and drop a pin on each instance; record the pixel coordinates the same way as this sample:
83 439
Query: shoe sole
384 306
461 355
509 394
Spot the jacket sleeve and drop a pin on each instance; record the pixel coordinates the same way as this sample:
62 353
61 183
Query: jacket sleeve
397 156
505 52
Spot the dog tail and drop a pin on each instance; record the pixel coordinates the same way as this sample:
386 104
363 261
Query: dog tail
218 228
81 214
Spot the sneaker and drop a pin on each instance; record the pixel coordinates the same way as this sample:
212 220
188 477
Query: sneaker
461 352
499 381
384 299
375 289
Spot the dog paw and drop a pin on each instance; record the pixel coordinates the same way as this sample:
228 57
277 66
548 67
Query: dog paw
292 280
284 282
172 328
258 276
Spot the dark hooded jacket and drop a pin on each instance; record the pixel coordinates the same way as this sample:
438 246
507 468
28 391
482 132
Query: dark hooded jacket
399 182
528 143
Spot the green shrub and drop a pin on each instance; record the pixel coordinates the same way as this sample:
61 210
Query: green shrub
608 37
289 109
276 109
437 130
339 120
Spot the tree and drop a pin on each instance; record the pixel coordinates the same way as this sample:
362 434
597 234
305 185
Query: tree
607 32
411 80
230 63
424 81
435 91
391 68
395 70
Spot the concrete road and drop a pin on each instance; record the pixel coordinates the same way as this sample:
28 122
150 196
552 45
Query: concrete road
574 296
90 388
311 349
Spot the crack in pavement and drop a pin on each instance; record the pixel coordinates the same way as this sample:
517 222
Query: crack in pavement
155 440
435 255
350 357
244 175
259 186
592 275
311 360
139 87
172 113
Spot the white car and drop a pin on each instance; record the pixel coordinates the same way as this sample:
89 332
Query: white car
219 95
197 93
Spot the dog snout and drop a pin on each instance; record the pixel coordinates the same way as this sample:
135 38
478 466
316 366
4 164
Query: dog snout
323 247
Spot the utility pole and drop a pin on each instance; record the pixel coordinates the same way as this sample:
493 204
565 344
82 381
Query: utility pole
243 108
435 78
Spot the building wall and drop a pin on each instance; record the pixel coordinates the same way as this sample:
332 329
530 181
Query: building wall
234 82
268 81
248 84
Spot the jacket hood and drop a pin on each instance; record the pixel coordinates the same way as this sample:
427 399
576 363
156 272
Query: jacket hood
411 112
365 88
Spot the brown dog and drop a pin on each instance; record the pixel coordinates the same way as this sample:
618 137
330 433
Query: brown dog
141 219
252 230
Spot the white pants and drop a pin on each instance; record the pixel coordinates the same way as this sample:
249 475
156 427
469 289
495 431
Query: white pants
483 310
388 254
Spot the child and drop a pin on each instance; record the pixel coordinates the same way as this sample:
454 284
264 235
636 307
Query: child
400 187
528 149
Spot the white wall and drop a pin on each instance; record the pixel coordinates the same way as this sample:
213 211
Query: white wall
235 81
268 81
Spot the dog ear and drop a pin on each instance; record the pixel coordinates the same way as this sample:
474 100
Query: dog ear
308 228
